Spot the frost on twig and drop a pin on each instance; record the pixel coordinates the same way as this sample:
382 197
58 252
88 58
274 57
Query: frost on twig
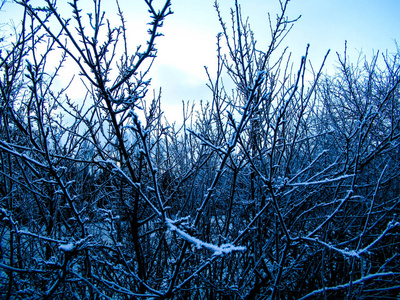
354 253
346 285
72 246
218 250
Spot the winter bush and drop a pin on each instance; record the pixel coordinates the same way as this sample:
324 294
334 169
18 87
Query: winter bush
284 188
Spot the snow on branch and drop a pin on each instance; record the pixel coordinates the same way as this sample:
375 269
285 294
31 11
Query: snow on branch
76 245
354 253
392 224
345 252
325 181
207 142
346 285
218 250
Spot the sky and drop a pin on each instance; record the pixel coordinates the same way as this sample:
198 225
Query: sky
189 41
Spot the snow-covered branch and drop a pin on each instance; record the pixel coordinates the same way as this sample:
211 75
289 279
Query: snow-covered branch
199 244
346 285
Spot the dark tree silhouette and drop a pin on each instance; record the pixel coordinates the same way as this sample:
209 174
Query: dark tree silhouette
283 188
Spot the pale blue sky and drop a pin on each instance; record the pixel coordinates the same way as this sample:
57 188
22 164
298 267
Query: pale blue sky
190 36
189 42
